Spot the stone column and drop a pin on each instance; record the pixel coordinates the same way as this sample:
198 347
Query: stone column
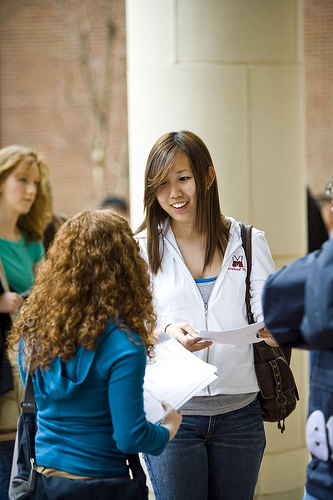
231 71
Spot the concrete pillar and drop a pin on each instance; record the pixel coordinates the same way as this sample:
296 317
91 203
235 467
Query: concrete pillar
231 71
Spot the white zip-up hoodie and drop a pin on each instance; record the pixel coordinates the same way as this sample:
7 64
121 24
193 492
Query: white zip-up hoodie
177 298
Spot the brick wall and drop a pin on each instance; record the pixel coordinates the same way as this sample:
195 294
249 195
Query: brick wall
44 100
318 53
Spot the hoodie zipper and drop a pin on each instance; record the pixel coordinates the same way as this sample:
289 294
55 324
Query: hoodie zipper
206 314
206 327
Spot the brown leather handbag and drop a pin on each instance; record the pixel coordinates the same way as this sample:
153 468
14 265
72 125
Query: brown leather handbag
278 394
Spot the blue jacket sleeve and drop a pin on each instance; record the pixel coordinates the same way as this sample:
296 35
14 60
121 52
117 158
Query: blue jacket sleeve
283 301
132 432
317 323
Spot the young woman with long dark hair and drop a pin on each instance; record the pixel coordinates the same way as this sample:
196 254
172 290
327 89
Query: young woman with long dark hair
198 266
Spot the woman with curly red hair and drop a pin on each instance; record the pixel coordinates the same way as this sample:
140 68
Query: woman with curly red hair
84 333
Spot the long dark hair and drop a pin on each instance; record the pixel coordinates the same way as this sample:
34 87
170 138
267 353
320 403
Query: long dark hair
208 219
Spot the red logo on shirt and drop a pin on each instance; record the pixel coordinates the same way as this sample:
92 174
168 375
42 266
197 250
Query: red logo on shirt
237 263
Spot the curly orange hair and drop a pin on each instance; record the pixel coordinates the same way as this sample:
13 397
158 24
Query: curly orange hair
93 272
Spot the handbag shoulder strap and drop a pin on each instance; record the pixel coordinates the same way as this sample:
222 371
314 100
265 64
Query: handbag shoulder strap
246 233
28 402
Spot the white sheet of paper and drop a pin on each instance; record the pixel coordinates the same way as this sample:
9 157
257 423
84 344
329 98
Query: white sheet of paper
173 375
245 335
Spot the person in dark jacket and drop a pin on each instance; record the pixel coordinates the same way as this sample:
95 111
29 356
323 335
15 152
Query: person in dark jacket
298 311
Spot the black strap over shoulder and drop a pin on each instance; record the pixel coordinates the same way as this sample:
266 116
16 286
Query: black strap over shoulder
246 233
28 402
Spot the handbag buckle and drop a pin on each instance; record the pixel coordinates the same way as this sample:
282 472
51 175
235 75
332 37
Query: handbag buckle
32 475
281 399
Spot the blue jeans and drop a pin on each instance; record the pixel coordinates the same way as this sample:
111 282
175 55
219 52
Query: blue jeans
6 456
211 458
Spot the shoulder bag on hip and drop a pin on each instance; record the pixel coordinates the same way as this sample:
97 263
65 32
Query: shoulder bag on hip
28 484
278 394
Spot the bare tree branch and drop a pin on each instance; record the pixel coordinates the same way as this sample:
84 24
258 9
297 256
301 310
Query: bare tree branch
98 79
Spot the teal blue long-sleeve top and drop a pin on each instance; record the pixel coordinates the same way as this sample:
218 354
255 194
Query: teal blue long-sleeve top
90 410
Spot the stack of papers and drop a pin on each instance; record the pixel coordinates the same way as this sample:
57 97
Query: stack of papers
174 375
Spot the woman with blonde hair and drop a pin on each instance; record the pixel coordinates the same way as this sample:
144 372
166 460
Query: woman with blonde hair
198 269
84 333
24 214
